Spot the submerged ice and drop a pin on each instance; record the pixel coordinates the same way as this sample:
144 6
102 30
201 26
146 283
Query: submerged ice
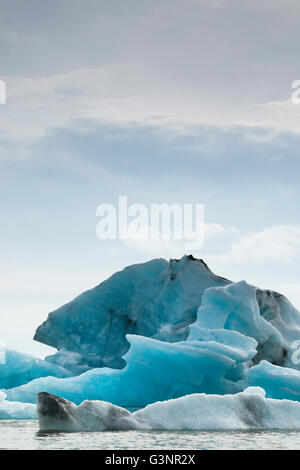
160 331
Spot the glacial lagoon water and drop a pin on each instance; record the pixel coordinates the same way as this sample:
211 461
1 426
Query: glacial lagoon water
25 435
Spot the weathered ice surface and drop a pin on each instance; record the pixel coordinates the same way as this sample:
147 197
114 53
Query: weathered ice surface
58 414
242 411
248 410
155 299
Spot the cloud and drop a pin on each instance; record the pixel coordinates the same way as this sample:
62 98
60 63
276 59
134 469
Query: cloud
268 258
171 248
122 94
276 114
180 62
278 243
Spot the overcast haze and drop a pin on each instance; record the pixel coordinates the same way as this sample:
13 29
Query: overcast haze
176 101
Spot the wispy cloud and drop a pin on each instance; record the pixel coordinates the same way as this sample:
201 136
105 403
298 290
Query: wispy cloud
278 243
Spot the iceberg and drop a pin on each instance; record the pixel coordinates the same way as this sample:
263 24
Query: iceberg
156 299
15 410
279 382
156 370
263 315
247 410
234 334
57 414
17 369
160 299
160 331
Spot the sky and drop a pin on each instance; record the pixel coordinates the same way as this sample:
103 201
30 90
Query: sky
181 101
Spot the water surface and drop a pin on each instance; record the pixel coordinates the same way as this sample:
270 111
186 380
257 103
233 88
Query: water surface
26 435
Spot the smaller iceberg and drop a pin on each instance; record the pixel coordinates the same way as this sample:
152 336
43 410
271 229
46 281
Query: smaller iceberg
16 410
17 369
247 410
57 414
263 315
278 382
